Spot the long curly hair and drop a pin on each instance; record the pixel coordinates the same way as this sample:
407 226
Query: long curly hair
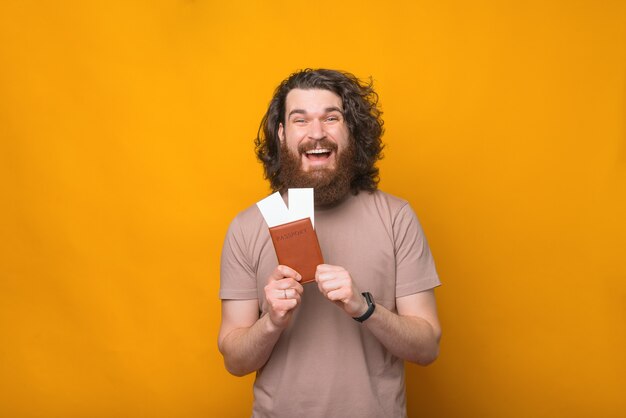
361 113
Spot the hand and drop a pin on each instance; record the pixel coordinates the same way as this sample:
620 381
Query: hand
337 285
283 294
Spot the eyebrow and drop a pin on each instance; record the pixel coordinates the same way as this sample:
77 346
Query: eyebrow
327 110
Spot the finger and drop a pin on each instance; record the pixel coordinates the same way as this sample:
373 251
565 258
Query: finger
289 293
286 284
342 278
281 272
321 276
324 275
328 286
340 295
284 305
275 289
323 268
298 288
280 294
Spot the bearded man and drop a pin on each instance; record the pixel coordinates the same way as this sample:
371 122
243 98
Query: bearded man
335 347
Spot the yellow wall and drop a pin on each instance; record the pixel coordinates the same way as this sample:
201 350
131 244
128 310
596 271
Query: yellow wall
126 149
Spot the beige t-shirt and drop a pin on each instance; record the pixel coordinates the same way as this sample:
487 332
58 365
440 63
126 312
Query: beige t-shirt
325 364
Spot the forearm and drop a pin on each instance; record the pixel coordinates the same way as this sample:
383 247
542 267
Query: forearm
408 337
246 350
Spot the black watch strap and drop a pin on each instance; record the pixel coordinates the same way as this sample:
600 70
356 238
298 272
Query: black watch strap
370 307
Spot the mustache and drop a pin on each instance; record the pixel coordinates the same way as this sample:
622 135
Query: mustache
322 143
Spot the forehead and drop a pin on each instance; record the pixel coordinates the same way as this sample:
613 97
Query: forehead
311 100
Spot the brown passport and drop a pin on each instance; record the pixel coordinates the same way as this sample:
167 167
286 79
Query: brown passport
297 247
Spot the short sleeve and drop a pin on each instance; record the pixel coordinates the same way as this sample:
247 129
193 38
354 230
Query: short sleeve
237 276
415 267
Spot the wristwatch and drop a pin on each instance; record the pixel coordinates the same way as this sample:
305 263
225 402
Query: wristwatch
370 307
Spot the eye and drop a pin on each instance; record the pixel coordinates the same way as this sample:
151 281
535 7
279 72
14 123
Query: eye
298 121
332 118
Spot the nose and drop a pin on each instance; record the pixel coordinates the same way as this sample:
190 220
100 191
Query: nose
316 130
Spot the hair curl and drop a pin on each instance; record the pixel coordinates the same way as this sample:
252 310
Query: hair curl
361 113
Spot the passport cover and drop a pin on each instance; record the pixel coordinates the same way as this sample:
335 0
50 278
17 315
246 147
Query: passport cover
296 246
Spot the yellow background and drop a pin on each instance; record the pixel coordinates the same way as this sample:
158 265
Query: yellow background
126 148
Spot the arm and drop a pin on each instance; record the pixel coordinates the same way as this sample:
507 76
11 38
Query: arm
245 340
412 334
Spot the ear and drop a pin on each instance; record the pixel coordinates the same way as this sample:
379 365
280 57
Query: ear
281 132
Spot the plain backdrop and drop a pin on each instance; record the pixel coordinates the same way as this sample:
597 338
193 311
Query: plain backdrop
126 148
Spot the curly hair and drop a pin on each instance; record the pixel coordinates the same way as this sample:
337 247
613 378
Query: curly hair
361 113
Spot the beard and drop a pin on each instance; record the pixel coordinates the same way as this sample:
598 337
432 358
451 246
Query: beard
331 185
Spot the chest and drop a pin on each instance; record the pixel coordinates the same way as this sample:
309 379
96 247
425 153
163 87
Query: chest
362 243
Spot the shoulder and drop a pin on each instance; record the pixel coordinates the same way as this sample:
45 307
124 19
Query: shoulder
249 216
248 221
385 202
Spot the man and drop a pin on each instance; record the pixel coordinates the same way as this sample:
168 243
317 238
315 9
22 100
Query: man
323 130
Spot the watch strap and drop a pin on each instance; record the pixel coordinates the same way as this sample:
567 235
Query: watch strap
370 307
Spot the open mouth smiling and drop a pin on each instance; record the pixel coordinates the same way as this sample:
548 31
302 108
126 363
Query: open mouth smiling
318 154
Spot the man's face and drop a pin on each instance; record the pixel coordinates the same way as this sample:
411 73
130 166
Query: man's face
315 145
314 129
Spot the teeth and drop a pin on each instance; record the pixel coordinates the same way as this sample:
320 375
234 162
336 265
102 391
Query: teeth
318 151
